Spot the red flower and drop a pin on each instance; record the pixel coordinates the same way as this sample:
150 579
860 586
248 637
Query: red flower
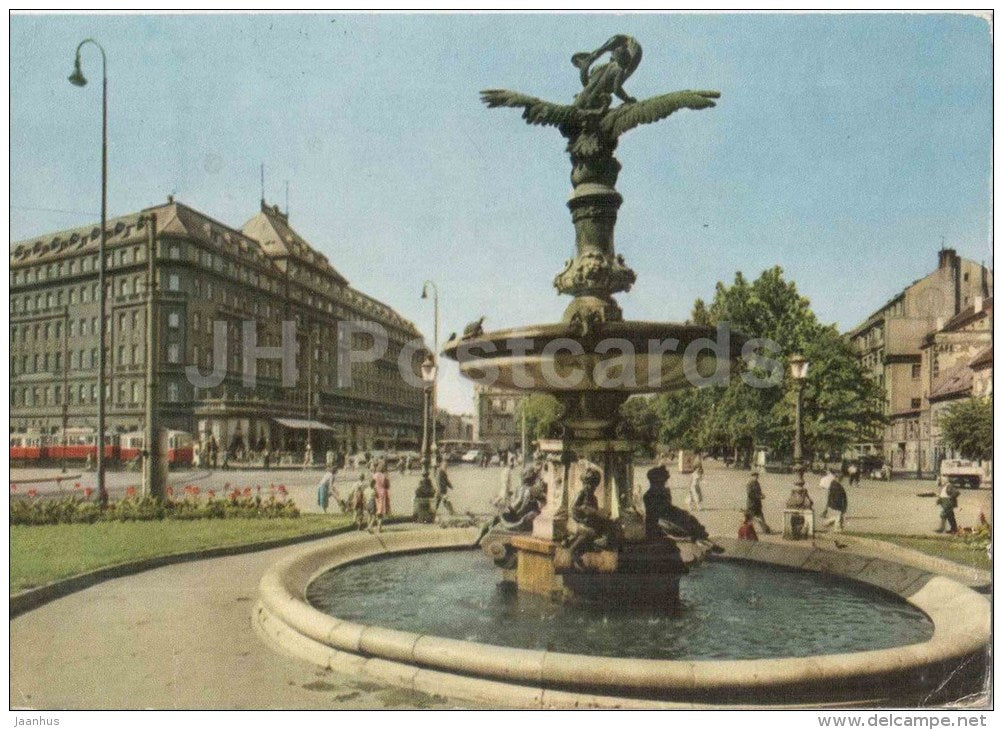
13 487
32 492
130 492
77 485
170 491
282 489
211 493
88 491
247 491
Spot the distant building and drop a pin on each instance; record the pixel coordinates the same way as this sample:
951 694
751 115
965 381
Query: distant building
455 427
495 414
205 272
890 344
957 364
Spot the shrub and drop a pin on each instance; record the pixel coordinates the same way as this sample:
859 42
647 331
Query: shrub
132 508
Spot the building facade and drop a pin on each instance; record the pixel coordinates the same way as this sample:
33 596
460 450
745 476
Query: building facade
957 364
213 287
890 344
495 417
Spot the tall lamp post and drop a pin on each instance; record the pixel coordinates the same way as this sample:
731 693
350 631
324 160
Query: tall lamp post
799 516
423 495
77 79
435 348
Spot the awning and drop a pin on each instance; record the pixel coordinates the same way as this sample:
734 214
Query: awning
303 424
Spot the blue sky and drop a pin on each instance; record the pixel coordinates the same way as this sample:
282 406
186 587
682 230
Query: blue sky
843 148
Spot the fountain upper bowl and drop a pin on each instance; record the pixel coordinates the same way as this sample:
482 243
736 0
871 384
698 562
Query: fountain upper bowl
631 357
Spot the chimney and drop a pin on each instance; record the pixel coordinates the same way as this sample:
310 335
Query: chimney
945 257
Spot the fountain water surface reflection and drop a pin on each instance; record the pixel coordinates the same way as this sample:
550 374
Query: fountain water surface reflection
729 610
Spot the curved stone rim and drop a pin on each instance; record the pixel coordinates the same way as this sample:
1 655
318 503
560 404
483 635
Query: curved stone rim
960 616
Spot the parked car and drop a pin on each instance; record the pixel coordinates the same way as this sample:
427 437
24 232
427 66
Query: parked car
472 457
962 473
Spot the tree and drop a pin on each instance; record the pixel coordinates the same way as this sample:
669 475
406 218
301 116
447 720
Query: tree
543 413
840 401
967 428
640 421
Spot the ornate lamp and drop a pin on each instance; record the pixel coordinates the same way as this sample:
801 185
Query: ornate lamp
423 511
799 514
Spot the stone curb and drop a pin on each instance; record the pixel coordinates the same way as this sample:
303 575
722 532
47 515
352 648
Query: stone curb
960 616
33 598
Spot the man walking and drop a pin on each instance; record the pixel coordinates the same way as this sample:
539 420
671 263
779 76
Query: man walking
835 502
443 485
754 502
695 500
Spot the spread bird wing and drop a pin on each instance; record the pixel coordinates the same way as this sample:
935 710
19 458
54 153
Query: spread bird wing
535 111
627 116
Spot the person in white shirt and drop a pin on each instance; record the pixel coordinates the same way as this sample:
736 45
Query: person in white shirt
695 500
824 483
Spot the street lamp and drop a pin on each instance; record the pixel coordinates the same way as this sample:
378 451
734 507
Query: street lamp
423 495
77 79
435 348
799 517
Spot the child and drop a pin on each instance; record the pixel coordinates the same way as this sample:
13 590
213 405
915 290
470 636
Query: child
358 504
746 531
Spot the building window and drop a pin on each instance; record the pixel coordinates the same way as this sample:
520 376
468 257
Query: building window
915 370
173 320
135 392
136 358
121 392
173 392
121 355
915 403
175 252
173 353
174 282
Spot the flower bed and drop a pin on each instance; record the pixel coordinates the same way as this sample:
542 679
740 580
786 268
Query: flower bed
192 504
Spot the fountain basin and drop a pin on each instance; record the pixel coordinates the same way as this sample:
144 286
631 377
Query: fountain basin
512 677
661 356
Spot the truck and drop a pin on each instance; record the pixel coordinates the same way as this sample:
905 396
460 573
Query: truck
962 473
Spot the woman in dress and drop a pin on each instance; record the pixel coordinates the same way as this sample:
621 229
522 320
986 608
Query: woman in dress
381 484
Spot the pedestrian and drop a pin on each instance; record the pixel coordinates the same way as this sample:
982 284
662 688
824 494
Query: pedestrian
824 483
695 500
754 502
947 500
381 483
443 485
326 490
505 487
265 458
329 459
370 496
358 504
213 449
835 502
196 455
853 471
308 456
747 531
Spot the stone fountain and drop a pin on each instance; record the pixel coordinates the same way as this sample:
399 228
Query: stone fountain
592 361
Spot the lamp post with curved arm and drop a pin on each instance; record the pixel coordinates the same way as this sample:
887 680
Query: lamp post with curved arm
77 79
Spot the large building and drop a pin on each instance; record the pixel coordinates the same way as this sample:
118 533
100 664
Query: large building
495 417
957 364
211 281
891 343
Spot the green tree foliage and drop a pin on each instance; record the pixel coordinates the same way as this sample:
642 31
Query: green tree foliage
543 413
640 421
840 402
967 427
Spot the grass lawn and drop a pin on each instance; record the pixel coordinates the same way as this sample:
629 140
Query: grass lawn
950 548
44 553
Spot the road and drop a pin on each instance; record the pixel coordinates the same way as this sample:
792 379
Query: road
889 507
